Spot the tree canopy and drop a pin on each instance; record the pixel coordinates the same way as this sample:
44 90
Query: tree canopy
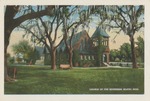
42 21
27 52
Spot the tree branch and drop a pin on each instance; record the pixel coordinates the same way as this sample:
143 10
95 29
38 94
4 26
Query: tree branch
56 31
122 15
46 30
140 26
40 30
32 15
52 23
40 39
72 25
59 43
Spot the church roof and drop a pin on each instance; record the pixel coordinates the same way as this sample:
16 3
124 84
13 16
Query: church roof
99 32
75 39
77 36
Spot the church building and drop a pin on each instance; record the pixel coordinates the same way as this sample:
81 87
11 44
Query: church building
85 46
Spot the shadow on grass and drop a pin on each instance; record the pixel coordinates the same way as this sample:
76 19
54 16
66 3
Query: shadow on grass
43 80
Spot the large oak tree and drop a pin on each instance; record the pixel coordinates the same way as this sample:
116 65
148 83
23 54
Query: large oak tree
11 22
45 31
129 19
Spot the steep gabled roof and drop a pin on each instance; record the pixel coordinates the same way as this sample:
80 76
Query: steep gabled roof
99 32
77 37
74 41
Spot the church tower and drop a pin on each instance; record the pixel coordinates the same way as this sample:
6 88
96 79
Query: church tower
99 32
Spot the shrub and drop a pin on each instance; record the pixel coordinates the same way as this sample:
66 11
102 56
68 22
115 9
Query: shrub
117 60
11 60
87 63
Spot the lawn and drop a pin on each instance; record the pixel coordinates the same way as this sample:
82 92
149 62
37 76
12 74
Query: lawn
43 80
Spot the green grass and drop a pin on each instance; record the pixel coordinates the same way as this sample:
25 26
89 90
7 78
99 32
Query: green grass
42 80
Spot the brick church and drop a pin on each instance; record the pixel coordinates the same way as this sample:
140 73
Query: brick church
86 47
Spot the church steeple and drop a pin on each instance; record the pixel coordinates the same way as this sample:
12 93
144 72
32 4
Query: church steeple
100 32
101 37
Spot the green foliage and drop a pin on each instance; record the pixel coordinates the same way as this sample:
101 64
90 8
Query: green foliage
117 60
11 60
42 80
87 63
7 55
123 54
128 18
18 59
125 51
100 50
76 57
62 57
33 56
114 54
140 48
29 53
47 59
21 47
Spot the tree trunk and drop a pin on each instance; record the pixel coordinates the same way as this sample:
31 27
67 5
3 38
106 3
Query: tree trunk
6 77
70 57
11 23
6 40
53 59
134 63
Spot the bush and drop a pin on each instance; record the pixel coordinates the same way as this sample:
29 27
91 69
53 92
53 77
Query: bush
11 60
87 63
117 60
18 59
47 59
75 58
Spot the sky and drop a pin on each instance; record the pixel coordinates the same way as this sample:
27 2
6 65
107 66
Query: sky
121 38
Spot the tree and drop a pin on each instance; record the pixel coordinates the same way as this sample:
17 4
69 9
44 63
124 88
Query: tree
140 48
67 25
113 54
125 51
10 59
10 23
29 53
129 19
45 30
22 47
83 19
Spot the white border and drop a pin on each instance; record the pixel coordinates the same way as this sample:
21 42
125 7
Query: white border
109 97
